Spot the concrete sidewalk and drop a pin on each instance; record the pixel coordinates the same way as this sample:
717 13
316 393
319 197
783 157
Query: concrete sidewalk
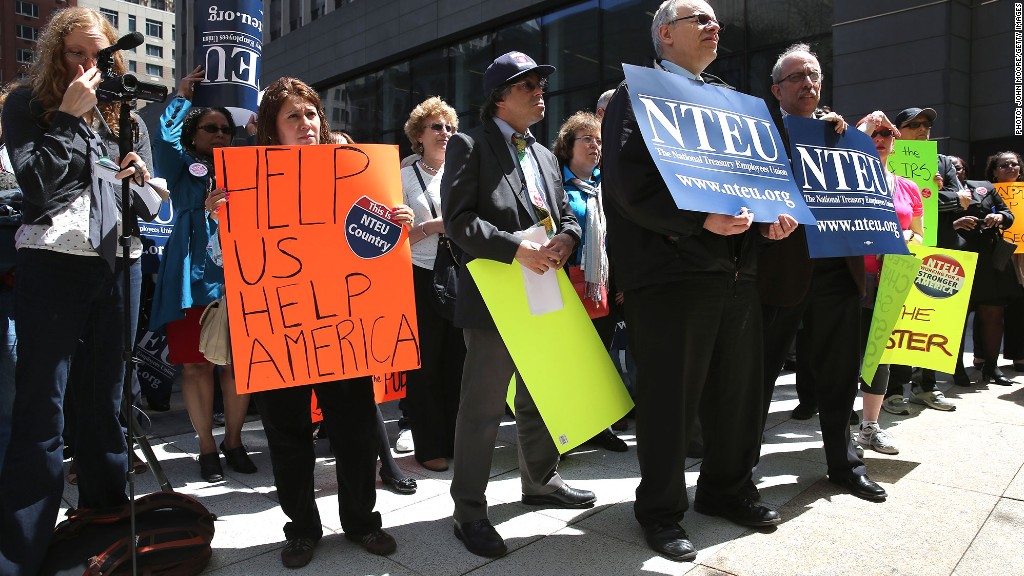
956 505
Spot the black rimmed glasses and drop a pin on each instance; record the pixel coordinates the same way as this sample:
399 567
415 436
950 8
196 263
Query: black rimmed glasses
702 20
797 77
531 85
212 129
439 126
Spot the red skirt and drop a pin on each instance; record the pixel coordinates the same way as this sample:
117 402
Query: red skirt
183 338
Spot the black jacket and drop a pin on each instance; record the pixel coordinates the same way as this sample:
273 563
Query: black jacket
984 201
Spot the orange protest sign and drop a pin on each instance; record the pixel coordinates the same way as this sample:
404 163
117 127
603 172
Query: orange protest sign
318 276
385 389
1013 194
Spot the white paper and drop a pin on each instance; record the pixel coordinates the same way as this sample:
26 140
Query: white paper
542 293
152 194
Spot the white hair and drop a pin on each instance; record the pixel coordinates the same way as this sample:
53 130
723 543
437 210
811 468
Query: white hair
665 14
602 101
799 48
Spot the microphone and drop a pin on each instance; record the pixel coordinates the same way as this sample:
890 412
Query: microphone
126 42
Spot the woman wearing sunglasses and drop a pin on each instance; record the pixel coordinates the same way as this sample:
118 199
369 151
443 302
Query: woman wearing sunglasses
433 390
1003 167
906 198
188 281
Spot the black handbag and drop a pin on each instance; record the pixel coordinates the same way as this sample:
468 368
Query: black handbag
447 263
1002 249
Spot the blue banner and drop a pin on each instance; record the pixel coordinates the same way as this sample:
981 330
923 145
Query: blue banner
154 237
843 182
717 149
229 45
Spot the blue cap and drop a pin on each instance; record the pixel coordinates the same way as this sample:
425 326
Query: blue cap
510 66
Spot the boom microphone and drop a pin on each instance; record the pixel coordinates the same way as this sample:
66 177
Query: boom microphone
126 42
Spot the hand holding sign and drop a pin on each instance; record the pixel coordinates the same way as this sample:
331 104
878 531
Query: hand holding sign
779 229
728 225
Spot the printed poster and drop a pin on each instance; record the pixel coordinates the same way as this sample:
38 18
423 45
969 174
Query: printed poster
1013 194
918 160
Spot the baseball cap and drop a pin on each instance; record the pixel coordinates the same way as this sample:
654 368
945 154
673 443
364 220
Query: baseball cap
509 66
911 113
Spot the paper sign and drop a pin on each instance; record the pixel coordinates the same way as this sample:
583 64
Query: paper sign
1013 194
930 323
385 389
318 276
894 284
843 183
717 149
918 160
575 403
541 289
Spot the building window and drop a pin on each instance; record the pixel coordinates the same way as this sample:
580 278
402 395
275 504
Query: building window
132 67
154 28
154 70
131 23
158 4
24 56
26 9
110 15
26 32
155 51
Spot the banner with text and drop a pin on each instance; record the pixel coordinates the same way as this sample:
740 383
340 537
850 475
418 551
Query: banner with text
918 160
576 400
385 389
229 45
318 275
154 237
1013 194
894 285
844 185
930 323
717 149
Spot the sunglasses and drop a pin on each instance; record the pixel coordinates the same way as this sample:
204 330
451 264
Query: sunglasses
211 129
438 126
1007 165
532 86
702 20
884 133
917 124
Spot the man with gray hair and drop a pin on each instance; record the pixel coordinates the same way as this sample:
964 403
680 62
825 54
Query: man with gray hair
692 312
602 102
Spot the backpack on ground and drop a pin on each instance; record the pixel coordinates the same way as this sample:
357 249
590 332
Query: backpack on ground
174 535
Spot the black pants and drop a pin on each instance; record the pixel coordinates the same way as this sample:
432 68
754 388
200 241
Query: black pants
827 351
348 408
433 391
697 347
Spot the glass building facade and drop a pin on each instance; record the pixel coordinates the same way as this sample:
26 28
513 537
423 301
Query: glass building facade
586 42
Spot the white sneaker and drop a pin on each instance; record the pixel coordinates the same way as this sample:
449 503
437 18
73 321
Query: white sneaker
877 439
896 405
934 399
404 443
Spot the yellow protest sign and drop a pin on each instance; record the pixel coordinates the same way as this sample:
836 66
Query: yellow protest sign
918 160
894 284
930 323
577 390
1013 194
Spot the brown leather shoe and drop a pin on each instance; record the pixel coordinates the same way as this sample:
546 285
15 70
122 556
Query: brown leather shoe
377 542
298 552
435 464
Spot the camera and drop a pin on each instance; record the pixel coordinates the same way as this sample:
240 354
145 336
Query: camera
124 87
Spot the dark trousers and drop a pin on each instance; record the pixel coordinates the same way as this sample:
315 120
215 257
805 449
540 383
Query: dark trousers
348 409
432 392
697 347
60 299
828 352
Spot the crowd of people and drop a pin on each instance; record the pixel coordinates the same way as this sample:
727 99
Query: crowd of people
713 303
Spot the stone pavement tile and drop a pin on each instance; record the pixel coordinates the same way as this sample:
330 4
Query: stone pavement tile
1016 488
247 526
997 547
586 455
572 551
780 478
827 531
797 439
427 544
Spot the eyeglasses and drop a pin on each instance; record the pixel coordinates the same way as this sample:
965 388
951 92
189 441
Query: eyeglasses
77 57
1008 165
918 124
438 126
702 19
958 168
796 77
884 133
211 129
588 140
532 86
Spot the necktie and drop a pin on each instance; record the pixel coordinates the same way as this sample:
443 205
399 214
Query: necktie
533 185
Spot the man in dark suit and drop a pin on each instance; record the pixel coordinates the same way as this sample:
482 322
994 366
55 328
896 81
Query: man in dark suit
498 182
692 312
820 297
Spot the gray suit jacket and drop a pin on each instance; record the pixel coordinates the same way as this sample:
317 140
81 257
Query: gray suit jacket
484 203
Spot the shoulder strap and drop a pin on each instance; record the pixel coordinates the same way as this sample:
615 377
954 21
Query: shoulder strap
430 201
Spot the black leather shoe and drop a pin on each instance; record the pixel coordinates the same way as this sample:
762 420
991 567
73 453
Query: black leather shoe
609 441
744 512
804 412
991 373
298 552
481 538
209 467
238 459
671 541
961 378
860 486
565 497
399 485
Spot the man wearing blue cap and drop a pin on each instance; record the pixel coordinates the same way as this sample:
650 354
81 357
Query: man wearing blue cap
498 182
